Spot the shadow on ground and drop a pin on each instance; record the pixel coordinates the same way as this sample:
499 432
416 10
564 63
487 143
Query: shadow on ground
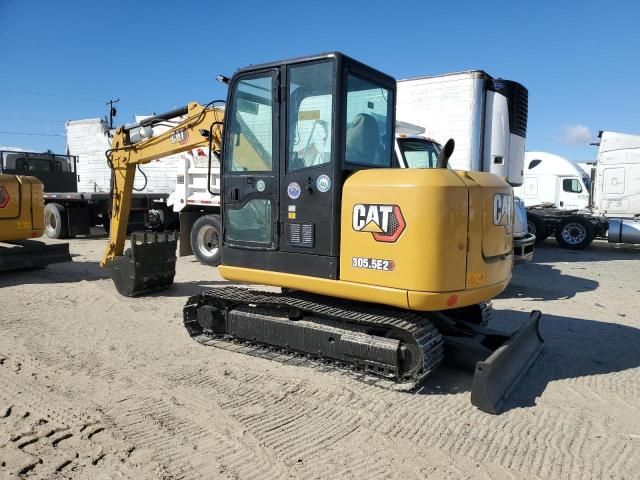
552 284
599 251
573 348
67 272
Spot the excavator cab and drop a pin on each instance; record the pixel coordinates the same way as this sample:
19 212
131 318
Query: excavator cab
295 131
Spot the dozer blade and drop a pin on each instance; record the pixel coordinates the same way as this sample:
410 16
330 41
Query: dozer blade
497 376
28 254
148 266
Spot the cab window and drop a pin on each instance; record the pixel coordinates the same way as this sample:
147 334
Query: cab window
369 126
310 115
419 153
571 185
250 145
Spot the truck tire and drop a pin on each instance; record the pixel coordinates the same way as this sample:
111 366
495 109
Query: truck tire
56 223
536 226
205 239
575 233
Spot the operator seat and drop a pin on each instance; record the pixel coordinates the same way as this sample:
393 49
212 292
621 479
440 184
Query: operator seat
363 138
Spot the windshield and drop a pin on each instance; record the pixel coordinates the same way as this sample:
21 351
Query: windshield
419 152
587 183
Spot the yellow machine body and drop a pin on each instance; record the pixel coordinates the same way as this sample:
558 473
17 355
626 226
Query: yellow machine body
321 217
453 245
21 207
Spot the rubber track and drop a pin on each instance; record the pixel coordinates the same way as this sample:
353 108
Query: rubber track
425 335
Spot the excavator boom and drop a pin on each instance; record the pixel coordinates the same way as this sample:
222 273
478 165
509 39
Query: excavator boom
138 270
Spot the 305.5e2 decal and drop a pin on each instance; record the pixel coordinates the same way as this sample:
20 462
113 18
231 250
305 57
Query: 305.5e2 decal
373 264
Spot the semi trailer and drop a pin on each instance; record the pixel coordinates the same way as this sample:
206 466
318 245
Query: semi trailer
564 201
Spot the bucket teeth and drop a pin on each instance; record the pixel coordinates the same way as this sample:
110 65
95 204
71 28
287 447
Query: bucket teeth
149 265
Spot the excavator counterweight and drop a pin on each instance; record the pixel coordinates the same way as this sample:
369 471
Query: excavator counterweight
384 271
21 221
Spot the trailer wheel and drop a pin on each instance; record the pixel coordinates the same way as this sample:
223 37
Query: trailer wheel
575 233
536 226
56 223
205 239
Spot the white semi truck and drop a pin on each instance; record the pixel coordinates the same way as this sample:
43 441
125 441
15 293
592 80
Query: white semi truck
577 208
552 179
486 117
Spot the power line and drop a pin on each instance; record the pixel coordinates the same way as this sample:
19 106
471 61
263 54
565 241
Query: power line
33 134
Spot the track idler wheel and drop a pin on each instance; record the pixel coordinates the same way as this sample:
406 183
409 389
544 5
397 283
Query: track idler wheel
148 266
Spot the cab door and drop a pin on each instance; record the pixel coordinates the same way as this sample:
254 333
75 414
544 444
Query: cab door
309 190
251 163
571 195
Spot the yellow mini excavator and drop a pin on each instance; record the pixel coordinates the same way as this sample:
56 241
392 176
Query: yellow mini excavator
22 220
384 271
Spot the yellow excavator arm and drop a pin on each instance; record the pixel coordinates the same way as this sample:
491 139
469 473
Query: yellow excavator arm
201 127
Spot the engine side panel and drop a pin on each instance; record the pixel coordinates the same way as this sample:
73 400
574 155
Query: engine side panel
405 229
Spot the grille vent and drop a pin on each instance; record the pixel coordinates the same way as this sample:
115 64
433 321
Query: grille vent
301 234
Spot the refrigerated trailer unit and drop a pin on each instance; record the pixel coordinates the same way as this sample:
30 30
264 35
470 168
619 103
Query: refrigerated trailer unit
487 118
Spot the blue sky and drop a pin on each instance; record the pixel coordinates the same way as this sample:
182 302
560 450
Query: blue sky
62 60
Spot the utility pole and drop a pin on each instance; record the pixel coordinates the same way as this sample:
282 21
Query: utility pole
112 111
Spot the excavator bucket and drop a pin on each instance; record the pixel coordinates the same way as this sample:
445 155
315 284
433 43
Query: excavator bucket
497 376
149 265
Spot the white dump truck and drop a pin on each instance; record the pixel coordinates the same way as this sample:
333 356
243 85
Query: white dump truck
486 117
562 200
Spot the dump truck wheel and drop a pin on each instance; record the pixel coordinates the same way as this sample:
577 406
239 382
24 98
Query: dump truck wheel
55 221
575 233
205 239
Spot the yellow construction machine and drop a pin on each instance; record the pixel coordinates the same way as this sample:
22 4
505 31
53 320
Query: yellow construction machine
22 220
384 271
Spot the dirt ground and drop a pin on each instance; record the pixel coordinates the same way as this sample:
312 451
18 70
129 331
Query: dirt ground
97 386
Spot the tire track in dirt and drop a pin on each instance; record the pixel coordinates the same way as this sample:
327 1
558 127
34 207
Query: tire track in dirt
152 420
180 439
283 412
304 425
549 444
46 435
